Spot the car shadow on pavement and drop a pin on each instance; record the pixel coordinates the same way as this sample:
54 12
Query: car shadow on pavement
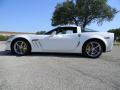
4 53
64 55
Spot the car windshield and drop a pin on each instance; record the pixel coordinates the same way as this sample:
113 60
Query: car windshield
88 30
49 32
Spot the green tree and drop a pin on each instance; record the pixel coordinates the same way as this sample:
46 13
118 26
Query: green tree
82 12
40 32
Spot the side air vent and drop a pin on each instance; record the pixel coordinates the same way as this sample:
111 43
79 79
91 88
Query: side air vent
36 43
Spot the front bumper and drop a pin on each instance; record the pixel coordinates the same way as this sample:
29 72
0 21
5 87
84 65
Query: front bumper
8 46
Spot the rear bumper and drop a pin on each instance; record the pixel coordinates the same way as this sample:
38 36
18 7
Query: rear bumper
109 47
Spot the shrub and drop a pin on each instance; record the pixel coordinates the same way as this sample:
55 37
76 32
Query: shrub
3 38
40 32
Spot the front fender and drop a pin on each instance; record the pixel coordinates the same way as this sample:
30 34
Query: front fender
11 39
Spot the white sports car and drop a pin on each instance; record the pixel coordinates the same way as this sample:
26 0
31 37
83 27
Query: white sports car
65 39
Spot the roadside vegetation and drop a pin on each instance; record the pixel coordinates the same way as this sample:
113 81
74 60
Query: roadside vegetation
40 32
116 33
3 38
117 43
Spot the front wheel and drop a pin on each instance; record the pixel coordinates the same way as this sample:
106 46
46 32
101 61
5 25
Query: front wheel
92 49
20 47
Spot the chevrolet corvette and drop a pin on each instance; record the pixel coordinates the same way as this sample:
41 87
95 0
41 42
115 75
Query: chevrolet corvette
64 39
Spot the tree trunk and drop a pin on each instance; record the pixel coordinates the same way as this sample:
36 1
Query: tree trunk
84 25
84 22
76 23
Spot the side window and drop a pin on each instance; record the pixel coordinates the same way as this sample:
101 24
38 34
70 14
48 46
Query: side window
67 30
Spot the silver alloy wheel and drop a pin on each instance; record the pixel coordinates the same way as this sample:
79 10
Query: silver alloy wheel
20 47
93 49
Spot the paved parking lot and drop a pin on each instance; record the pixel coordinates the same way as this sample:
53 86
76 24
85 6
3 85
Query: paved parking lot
59 71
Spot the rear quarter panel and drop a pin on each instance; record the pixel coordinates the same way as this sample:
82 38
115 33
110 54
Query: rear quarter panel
95 35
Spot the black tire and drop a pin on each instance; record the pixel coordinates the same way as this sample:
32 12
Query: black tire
98 54
28 49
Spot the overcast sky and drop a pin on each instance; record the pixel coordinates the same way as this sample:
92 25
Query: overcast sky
35 15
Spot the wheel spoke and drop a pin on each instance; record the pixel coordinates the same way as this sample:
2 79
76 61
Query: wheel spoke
18 45
21 52
92 52
92 44
96 47
22 43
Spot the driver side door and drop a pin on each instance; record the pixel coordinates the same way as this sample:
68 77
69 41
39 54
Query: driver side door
65 39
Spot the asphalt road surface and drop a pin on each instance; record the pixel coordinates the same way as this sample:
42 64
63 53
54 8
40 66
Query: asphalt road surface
59 71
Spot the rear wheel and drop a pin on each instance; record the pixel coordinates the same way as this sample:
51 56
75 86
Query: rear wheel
20 47
92 49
